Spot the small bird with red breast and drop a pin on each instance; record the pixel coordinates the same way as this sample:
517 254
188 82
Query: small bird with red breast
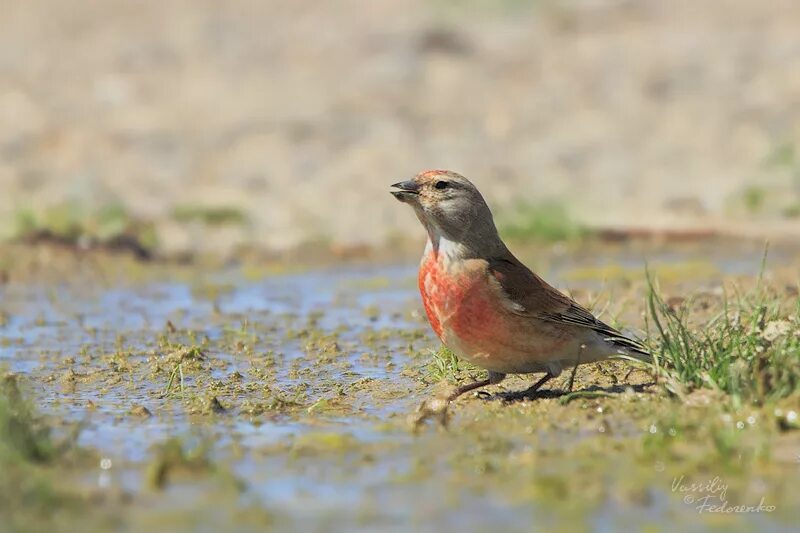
485 305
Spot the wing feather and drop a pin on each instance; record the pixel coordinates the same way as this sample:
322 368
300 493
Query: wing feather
531 296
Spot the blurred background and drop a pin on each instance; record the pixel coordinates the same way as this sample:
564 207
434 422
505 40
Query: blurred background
197 125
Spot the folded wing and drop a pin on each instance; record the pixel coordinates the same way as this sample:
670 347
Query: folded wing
530 296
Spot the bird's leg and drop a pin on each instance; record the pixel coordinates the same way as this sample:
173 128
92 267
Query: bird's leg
493 379
437 407
572 378
466 388
536 386
575 368
530 391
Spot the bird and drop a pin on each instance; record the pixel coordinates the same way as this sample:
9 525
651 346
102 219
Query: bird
485 305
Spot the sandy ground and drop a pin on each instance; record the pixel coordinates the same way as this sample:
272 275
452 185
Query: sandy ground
300 114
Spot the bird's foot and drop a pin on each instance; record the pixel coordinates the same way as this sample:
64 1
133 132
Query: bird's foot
436 407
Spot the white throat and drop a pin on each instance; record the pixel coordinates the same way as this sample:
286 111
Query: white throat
446 249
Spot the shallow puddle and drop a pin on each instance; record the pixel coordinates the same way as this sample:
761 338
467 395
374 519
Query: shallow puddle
296 391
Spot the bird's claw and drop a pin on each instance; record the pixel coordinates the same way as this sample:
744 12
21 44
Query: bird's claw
483 395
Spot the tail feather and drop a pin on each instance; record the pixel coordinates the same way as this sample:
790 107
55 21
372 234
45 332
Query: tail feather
631 347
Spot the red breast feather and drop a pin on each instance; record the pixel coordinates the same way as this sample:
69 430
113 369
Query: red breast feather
462 305
467 313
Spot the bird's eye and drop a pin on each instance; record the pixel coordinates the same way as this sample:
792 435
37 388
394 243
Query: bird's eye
442 184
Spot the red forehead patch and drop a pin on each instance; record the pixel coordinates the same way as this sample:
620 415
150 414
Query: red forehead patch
429 173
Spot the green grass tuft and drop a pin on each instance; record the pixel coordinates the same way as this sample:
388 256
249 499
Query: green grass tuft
73 224
749 350
754 198
548 222
212 216
445 365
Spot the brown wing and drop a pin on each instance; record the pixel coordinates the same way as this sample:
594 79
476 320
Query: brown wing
531 296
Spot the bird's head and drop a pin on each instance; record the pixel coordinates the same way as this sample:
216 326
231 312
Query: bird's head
447 204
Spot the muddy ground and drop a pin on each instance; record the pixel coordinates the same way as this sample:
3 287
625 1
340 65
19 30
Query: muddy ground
263 394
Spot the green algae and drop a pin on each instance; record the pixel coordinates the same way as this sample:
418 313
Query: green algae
35 489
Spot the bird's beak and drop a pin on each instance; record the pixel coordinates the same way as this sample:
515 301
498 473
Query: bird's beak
405 191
